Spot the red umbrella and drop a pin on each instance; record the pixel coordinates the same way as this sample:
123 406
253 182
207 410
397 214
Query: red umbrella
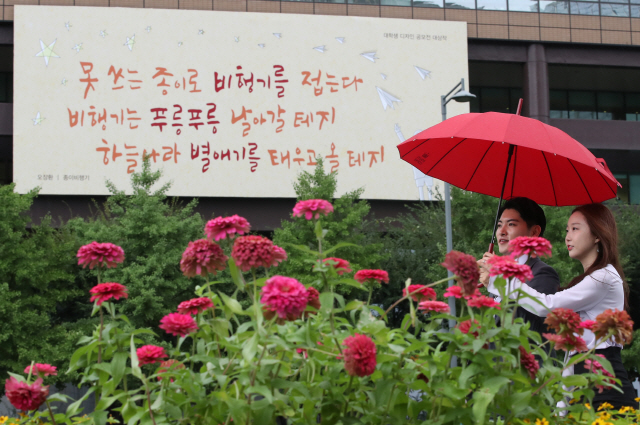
505 154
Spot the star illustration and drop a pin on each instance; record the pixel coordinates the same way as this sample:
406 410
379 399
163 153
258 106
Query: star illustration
77 48
179 43
130 42
236 39
47 51
200 32
261 46
64 81
103 33
148 29
37 120
67 25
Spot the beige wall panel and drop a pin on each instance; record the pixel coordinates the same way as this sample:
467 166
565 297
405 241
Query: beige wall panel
92 3
461 15
524 19
161 4
196 4
616 37
56 2
297 7
263 6
12 2
585 22
472 30
8 13
635 38
330 9
555 34
524 33
363 10
635 24
230 5
493 31
493 17
429 13
553 20
615 24
127 3
395 12
585 36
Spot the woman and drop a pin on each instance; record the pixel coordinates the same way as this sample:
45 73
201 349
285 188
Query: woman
592 239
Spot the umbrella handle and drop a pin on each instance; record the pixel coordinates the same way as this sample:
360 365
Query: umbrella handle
491 248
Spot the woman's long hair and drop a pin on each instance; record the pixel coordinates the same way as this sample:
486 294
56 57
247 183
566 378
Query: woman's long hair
603 226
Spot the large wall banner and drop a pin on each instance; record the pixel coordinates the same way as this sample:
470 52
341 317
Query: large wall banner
226 103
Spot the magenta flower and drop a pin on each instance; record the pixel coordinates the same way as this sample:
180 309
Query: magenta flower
195 305
285 296
312 208
360 355
226 227
178 324
423 294
201 258
41 370
100 254
24 396
437 306
523 245
508 267
480 301
105 291
254 251
148 354
338 264
376 275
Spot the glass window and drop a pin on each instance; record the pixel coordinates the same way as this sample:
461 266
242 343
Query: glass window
559 106
460 4
632 106
582 105
330 1
492 4
620 10
610 106
514 97
395 2
635 1
474 105
428 3
554 6
369 2
494 100
523 5
623 192
580 8
634 188
635 11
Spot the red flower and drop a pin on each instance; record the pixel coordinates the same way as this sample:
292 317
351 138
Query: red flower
523 245
360 355
41 370
201 258
195 305
100 254
312 208
567 342
508 267
564 320
423 294
594 366
253 251
528 362
168 366
466 325
437 306
465 268
223 227
178 324
616 323
340 266
378 276
148 354
285 296
454 291
587 324
313 298
480 301
105 291
279 255
24 396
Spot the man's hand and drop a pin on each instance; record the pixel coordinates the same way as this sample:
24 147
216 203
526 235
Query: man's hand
484 268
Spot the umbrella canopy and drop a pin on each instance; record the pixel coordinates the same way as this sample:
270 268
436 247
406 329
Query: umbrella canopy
472 152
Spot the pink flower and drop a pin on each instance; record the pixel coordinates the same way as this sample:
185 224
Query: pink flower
567 342
339 265
378 276
615 323
508 267
360 355
223 227
178 324
523 245
465 268
466 325
312 208
285 296
100 254
148 354
201 258
253 251
24 396
168 366
587 324
528 362
105 291
480 301
195 305
454 291
437 306
279 255
423 294
313 298
41 370
564 320
594 366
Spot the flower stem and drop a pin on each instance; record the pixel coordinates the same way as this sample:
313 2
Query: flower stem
146 389
415 292
370 293
100 336
346 403
30 371
51 412
384 416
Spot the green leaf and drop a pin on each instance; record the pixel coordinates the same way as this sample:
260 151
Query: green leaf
352 283
319 234
250 348
338 246
233 305
118 366
235 274
481 400
494 384
575 381
135 369
262 390
74 408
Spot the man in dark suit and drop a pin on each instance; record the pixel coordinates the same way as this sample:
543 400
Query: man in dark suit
523 217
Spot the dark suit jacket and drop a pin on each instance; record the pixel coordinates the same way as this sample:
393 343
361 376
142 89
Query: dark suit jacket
545 280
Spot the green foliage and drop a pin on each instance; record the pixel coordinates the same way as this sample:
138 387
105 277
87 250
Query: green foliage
346 224
153 231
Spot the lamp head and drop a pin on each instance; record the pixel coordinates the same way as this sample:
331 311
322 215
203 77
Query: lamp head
463 96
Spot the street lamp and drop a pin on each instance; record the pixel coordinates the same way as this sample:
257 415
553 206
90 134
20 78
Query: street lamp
459 96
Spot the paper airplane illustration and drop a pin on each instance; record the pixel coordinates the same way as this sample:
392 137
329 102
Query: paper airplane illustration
130 42
384 77
340 40
103 33
423 72
179 43
148 29
370 56
320 49
277 35
387 99
67 25
47 52
419 177
236 39
200 32
77 48
261 46
64 81
37 120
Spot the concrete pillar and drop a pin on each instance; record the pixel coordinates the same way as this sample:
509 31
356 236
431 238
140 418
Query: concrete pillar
536 84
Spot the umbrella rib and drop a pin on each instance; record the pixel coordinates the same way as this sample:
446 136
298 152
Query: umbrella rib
478 166
443 156
415 147
515 162
580 177
607 183
551 178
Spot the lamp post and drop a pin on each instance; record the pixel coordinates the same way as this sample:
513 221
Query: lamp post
460 96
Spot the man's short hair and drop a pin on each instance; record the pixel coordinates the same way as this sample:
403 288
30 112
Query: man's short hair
530 212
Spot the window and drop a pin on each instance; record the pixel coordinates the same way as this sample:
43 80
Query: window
495 99
594 105
630 190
